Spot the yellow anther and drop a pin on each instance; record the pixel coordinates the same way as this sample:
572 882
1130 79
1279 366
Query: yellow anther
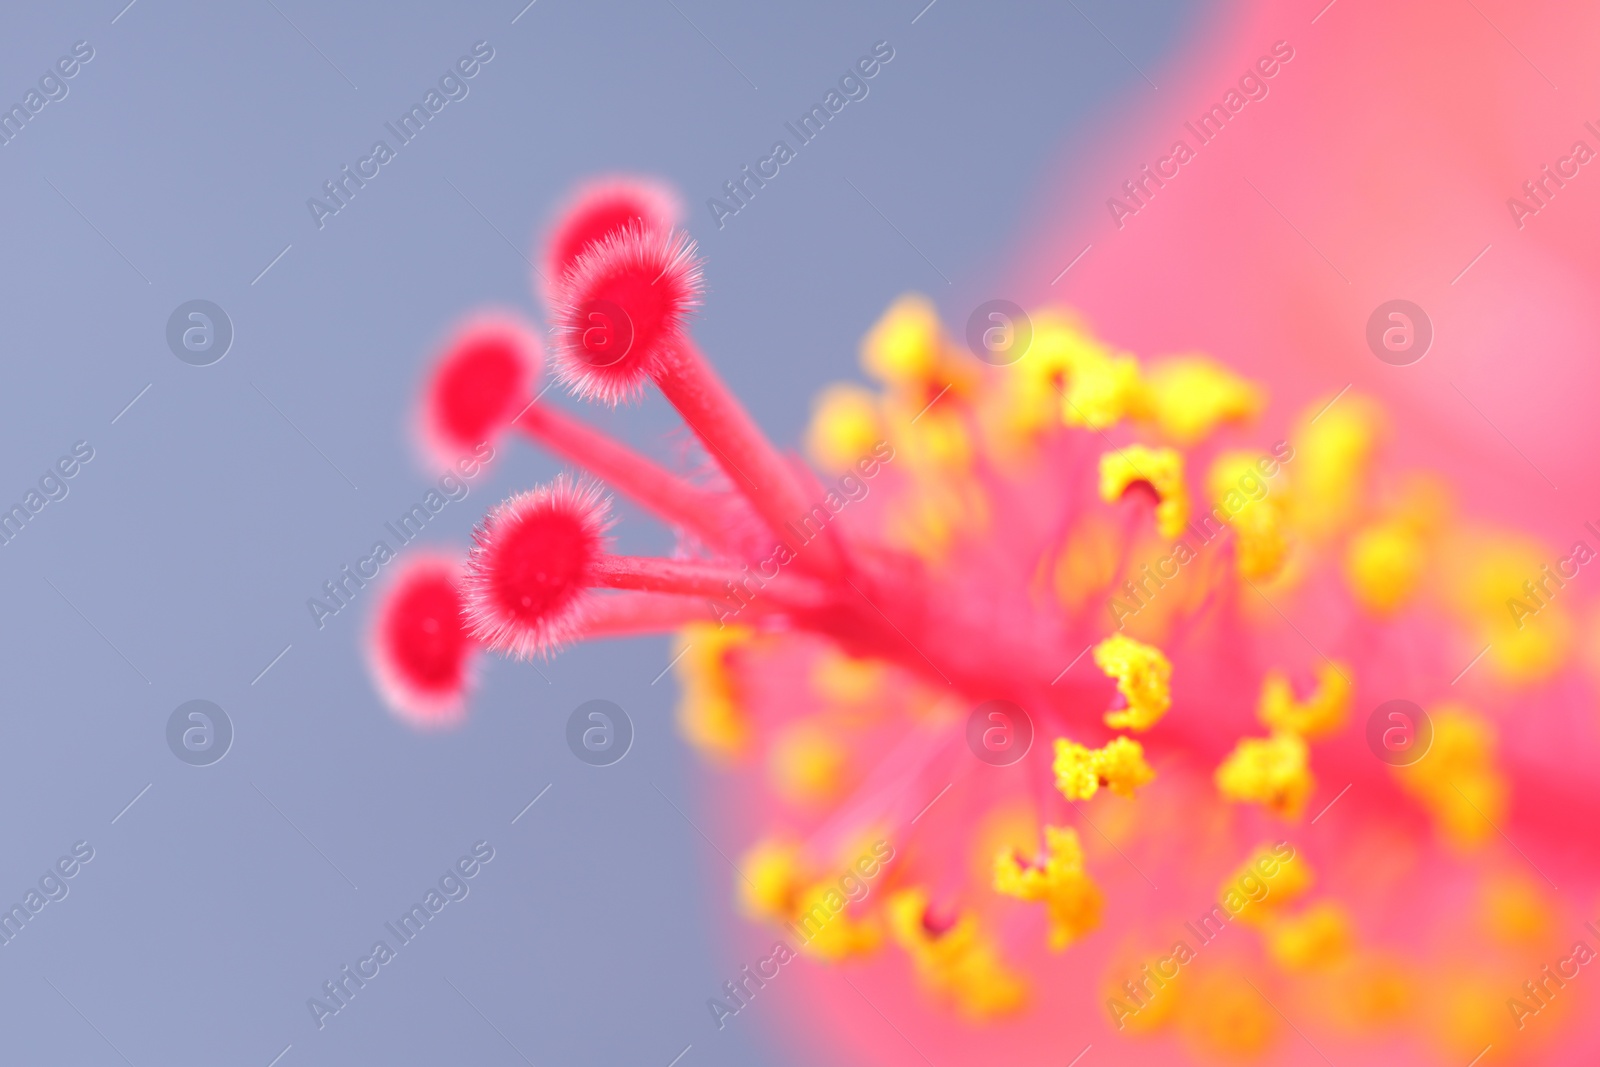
1144 678
1119 766
808 765
1272 878
1034 385
1071 898
1227 1018
1469 1010
905 349
1457 780
943 508
1517 911
1246 497
1317 937
1511 590
1333 451
710 713
1067 376
842 679
827 930
845 426
1371 992
773 880
1320 714
932 436
1191 395
1383 565
954 960
1159 468
1271 771
778 888
1102 390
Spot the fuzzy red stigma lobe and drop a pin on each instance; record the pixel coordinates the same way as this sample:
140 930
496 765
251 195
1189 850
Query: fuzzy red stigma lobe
420 649
624 305
598 211
533 559
482 381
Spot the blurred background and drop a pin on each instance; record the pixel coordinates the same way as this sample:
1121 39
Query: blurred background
175 165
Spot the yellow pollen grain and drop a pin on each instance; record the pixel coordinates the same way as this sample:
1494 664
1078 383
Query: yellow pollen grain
905 349
1072 901
1119 766
1102 390
833 933
960 964
1283 880
1144 678
1226 1018
773 880
808 765
1161 469
1517 911
1191 395
710 713
1383 565
1323 712
1318 937
1520 611
841 679
1270 771
1458 781
1334 445
845 425
1254 506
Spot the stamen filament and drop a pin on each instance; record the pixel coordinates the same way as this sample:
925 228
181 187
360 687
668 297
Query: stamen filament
666 495
690 578
628 614
752 463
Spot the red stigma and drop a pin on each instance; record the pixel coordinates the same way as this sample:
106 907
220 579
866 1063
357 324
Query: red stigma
603 208
482 381
623 311
937 922
420 650
533 559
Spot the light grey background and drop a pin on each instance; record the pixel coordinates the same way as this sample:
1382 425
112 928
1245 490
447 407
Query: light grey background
179 564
